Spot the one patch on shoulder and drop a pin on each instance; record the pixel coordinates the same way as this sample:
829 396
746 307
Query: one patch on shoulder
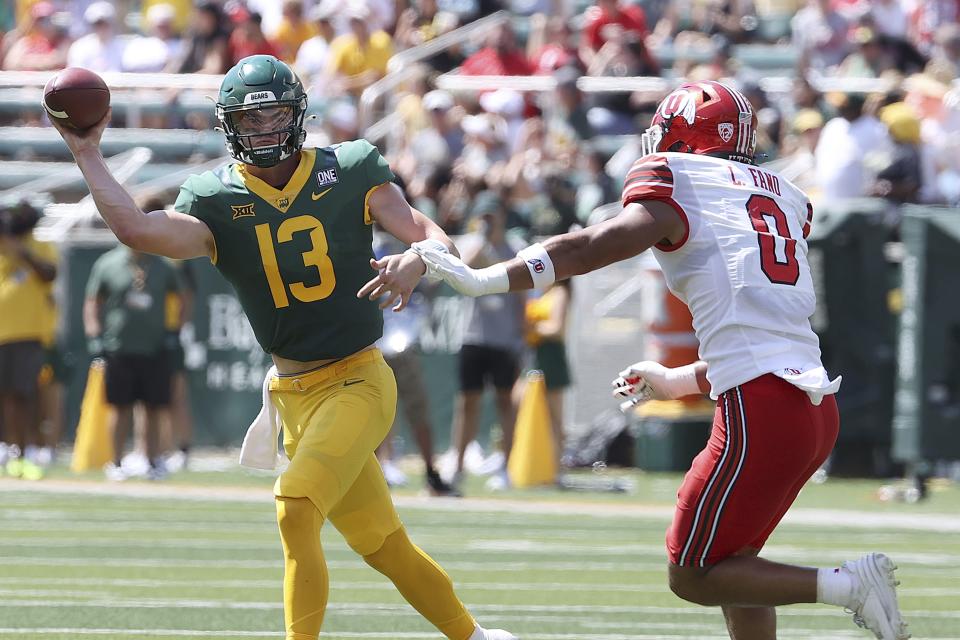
326 177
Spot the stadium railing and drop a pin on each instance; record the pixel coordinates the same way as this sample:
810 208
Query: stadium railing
166 144
133 94
48 181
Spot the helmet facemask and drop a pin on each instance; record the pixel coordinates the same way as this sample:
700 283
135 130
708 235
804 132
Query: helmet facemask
650 140
264 133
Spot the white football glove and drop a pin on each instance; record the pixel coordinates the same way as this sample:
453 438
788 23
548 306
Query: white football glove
648 380
466 280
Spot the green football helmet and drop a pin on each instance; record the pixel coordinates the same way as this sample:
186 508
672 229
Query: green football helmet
261 109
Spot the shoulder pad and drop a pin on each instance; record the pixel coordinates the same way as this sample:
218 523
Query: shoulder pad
650 178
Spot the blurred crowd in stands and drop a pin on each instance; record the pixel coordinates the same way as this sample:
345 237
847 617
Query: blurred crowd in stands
855 98
555 155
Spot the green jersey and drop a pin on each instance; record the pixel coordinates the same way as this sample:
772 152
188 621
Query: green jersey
133 292
297 256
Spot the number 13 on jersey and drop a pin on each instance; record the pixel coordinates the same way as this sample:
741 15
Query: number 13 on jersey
315 257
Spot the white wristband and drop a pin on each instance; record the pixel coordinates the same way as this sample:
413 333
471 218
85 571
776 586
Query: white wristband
682 381
539 265
418 248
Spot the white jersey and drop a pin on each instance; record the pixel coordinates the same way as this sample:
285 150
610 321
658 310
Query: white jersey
741 268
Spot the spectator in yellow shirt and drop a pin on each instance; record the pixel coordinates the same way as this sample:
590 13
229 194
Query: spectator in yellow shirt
181 11
27 270
359 58
292 31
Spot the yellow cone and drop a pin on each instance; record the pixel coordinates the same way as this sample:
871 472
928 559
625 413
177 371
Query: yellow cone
93 446
532 459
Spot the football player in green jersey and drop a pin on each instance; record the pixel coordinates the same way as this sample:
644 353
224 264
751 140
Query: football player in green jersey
290 228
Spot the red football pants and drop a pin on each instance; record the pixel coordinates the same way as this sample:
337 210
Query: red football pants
766 442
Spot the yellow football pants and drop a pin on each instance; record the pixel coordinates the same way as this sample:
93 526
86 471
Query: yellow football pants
333 420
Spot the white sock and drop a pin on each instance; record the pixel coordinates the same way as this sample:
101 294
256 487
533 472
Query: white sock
834 587
478 634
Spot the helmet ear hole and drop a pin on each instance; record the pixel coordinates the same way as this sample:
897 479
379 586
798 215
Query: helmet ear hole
677 146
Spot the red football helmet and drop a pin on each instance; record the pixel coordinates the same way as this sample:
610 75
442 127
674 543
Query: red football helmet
707 118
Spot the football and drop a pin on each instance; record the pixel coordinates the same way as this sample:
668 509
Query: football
76 97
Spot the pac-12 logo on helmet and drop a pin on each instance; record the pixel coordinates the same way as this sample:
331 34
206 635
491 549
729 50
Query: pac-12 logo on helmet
725 129
707 118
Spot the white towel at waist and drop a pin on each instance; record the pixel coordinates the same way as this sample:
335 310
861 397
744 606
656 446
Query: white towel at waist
259 449
814 380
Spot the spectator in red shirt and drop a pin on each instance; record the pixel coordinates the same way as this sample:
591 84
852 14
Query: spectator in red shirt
629 17
613 20
550 45
247 38
43 45
501 57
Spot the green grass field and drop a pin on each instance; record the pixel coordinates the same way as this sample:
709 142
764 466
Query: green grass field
199 557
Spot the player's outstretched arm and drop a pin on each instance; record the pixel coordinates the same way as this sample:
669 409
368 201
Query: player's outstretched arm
165 233
637 228
397 275
634 230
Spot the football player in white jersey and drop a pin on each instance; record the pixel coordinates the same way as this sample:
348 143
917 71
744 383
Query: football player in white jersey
731 240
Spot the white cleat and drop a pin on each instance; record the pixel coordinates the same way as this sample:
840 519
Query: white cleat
499 481
874 604
393 474
114 473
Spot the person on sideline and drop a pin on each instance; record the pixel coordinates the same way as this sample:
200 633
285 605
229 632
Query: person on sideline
124 316
28 268
400 346
546 320
492 341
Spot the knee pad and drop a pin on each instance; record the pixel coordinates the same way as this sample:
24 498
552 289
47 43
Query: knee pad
297 513
395 549
368 533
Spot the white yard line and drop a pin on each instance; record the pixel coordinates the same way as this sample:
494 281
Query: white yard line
833 518
520 611
394 635
384 585
932 569
508 566
50 631
525 547
353 585
532 547
401 635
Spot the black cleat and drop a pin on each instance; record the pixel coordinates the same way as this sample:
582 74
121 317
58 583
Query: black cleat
438 487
